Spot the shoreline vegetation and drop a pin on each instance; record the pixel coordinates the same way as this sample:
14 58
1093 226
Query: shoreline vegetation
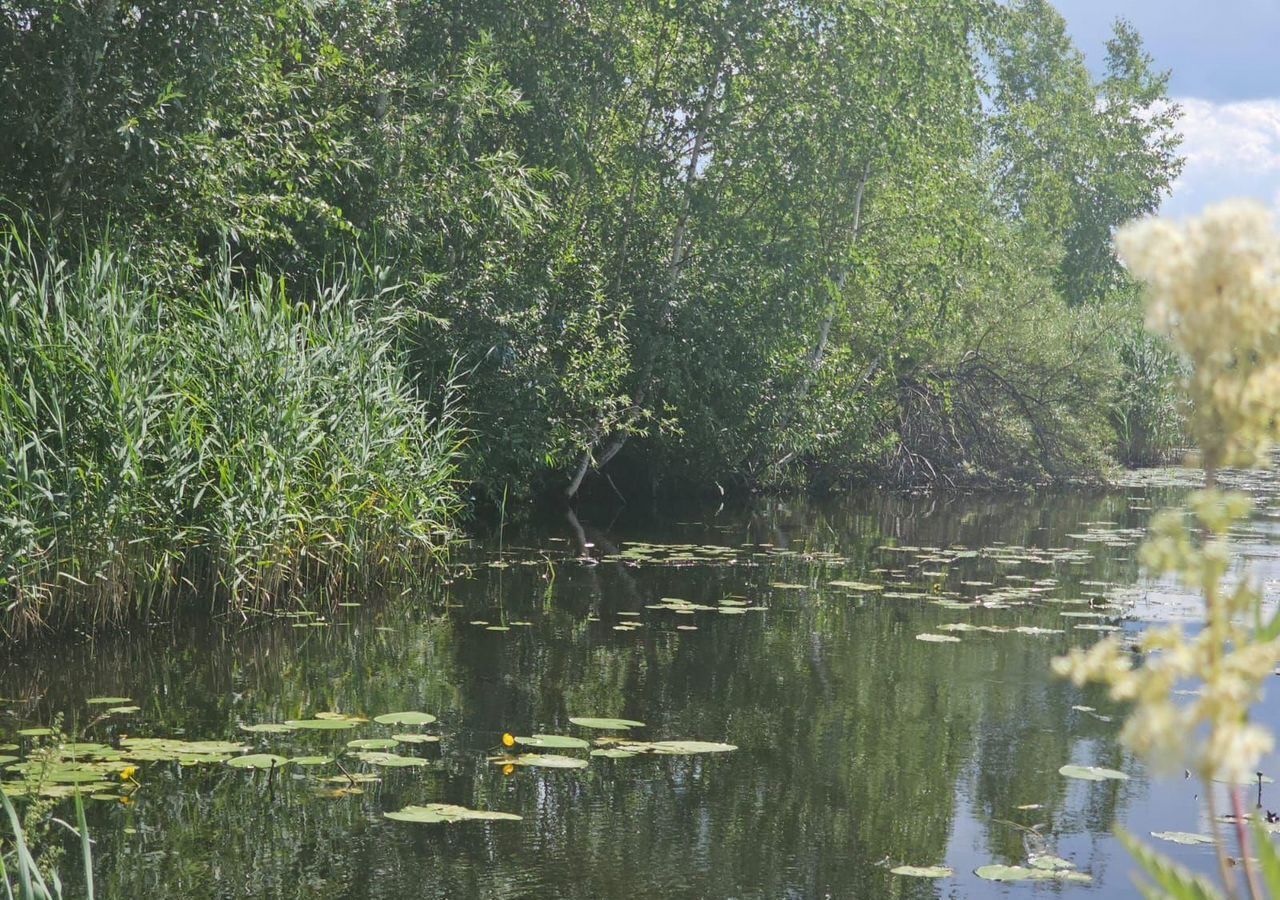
286 283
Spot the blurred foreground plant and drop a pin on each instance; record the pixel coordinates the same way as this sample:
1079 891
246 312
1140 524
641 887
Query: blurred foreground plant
1213 288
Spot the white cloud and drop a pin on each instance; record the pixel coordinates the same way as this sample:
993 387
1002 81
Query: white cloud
1232 150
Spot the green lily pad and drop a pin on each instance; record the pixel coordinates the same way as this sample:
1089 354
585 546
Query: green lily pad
185 752
859 586
1182 837
553 742
416 738
390 760
923 871
372 744
688 748
1054 863
72 776
310 760
108 701
443 812
1026 873
541 760
937 638
405 718
1092 773
124 710
615 753
35 732
257 761
605 724
319 724
268 728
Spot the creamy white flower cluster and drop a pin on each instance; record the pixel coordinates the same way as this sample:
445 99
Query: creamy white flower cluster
1213 286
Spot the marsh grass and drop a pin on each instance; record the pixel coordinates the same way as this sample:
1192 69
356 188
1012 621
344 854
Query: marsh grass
225 444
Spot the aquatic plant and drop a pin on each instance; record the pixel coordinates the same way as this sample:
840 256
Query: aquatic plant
232 441
1213 288
31 882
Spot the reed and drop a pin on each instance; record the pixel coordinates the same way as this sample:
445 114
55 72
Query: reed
235 443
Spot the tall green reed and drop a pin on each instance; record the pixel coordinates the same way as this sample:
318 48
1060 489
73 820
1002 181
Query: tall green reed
31 883
224 444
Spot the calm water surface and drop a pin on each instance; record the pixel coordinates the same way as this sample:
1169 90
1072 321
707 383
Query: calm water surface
860 746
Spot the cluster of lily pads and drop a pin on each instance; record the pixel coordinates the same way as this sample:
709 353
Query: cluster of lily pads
62 768
611 747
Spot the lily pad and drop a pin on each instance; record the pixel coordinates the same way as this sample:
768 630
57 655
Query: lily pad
1092 773
688 748
267 728
937 638
1182 837
1026 873
1053 863
185 752
372 744
124 710
325 724
390 760
108 701
405 718
605 724
615 753
553 742
257 761
541 760
923 871
444 812
416 738
310 760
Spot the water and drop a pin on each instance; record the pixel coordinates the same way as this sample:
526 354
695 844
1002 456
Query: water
860 747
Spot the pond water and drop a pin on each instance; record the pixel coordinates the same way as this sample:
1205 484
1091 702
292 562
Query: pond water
860 746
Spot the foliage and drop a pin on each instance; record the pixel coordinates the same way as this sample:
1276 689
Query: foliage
721 242
1147 415
230 438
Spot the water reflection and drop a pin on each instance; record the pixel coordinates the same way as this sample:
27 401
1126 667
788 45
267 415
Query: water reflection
861 747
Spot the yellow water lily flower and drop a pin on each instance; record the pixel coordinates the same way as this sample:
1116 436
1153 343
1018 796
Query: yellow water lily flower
127 773
508 740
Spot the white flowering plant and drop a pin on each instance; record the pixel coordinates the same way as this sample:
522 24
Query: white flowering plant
1213 287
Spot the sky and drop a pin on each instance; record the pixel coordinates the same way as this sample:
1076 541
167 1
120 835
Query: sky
1225 59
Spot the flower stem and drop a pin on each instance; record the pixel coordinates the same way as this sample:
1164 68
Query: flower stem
1242 837
1224 865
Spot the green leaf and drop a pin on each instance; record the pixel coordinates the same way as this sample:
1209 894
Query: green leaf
1092 773
540 760
372 744
405 718
443 812
923 871
257 761
1268 857
1182 837
553 742
605 724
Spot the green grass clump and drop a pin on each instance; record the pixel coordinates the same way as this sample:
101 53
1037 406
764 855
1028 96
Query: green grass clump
222 444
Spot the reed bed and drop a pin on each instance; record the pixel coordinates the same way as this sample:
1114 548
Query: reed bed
228 444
